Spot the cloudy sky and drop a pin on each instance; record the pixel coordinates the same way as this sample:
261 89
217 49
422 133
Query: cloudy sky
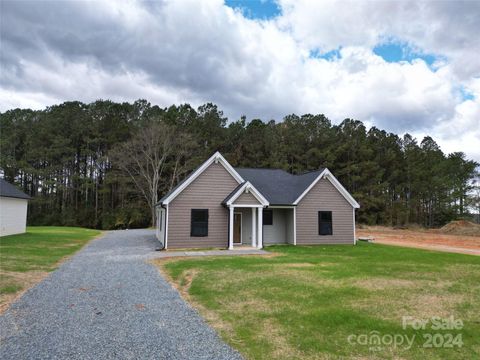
403 66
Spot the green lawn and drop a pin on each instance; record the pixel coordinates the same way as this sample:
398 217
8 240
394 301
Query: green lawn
24 258
324 301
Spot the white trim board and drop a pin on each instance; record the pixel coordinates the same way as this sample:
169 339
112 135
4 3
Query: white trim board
326 174
246 206
281 206
217 158
248 187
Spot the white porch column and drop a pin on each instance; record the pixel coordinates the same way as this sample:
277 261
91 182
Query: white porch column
254 227
260 228
230 229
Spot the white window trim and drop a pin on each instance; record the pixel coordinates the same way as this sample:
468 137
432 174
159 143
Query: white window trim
217 158
248 187
326 174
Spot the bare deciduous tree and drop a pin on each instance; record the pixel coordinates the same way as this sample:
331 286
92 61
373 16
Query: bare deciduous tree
146 157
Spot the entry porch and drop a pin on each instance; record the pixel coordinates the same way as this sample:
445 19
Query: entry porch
258 226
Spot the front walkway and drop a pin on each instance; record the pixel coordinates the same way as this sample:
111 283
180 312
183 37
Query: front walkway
107 302
235 251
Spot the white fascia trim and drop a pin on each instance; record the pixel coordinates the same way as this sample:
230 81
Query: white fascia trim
217 157
256 194
333 180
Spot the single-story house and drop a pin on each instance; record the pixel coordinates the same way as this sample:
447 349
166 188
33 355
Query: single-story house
13 209
222 206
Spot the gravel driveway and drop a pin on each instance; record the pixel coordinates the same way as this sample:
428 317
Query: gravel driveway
106 302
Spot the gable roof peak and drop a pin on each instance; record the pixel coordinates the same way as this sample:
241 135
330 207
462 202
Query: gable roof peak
217 157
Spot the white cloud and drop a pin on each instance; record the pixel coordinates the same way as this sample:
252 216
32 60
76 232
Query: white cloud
192 51
447 28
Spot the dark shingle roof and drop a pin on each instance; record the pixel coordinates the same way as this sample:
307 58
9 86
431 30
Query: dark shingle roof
278 186
9 190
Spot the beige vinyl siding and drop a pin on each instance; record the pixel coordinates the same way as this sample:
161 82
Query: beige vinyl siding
324 197
289 236
207 191
276 233
246 199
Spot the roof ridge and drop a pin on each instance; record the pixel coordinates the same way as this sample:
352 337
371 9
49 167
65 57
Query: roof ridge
285 171
259 168
311 171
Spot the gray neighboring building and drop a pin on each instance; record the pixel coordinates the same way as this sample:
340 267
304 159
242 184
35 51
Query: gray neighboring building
221 206
13 209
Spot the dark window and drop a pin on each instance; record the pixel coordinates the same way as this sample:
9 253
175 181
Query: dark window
267 217
325 223
199 222
161 220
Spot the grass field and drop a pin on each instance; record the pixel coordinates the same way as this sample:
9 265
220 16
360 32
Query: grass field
323 302
27 258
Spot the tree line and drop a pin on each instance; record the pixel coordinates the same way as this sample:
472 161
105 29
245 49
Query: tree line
92 164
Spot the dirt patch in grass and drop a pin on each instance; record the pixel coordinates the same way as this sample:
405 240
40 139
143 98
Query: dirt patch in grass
241 306
21 281
298 265
182 285
411 300
282 349
419 237
383 283
429 305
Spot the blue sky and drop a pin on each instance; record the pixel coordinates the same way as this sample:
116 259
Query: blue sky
256 9
391 50
396 51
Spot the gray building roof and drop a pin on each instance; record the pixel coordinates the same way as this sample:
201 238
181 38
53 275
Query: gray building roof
278 186
9 190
